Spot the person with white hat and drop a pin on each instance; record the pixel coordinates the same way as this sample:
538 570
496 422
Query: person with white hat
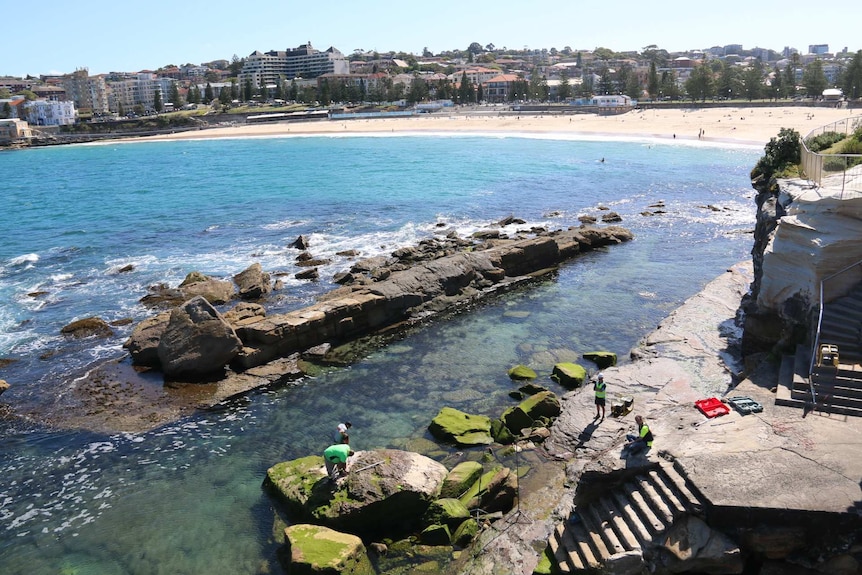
600 388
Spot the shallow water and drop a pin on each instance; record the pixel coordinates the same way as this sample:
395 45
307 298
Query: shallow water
186 498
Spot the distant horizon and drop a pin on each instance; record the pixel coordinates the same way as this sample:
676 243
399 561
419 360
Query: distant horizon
122 38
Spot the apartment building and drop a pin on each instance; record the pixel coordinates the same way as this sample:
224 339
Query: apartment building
14 130
302 62
89 93
51 112
139 90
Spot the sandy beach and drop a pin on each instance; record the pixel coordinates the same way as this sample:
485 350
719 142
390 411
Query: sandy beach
725 125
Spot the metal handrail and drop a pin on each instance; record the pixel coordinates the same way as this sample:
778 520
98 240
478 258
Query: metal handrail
819 326
812 163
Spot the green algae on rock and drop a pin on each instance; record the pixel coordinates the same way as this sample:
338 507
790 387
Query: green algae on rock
569 375
315 549
453 425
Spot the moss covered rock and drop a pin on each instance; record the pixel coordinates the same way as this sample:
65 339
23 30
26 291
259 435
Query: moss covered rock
569 375
602 359
447 511
521 372
436 535
465 533
386 492
501 433
497 487
526 413
461 478
462 428
313 549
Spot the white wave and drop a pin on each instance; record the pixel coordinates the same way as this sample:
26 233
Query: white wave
59 278
285 225
25 259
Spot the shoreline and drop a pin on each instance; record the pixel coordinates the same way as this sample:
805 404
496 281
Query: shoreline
730 126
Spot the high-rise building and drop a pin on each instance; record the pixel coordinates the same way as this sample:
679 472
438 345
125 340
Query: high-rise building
818 48
302 62
89 93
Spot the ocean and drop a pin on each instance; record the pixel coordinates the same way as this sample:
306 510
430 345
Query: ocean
187 497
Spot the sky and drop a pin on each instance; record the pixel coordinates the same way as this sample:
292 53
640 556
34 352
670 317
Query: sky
115 36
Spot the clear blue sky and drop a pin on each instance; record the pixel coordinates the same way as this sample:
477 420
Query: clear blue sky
56 36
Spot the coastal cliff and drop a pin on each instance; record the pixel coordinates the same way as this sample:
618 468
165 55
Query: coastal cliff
803 235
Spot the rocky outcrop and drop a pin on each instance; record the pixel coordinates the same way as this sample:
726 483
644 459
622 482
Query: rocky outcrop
213 290
253 283
386 490
803 235
143 343
197 342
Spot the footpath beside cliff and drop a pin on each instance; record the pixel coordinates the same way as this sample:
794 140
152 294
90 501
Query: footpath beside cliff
778 485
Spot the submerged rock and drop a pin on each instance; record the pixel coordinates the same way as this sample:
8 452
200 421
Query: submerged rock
521 372
602 359
87 327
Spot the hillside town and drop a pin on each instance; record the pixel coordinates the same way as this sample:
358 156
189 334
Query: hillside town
305 77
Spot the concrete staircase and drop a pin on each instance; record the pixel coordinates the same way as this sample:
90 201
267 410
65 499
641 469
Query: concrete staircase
625 519
838 388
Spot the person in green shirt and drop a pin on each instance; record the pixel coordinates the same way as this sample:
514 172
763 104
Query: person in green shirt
335 458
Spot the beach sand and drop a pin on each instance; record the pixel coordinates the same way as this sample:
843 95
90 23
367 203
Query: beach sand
737 125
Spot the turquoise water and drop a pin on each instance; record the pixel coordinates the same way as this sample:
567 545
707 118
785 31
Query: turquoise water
186 498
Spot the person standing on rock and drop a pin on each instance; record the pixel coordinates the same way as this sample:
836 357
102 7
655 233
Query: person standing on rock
640 442
341 435
335 458
600 387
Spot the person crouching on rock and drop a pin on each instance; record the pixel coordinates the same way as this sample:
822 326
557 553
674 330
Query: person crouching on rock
335 457
640 442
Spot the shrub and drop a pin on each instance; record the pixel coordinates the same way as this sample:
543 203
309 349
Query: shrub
823 141
852 146
779 153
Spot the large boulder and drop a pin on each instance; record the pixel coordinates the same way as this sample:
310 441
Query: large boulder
524 415
569 375
143 343
317 550
253 282
462 428
387 490
446 511
495 490
603 359
197 342
213 290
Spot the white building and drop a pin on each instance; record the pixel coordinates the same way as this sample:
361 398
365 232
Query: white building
51 112
139 91
302 62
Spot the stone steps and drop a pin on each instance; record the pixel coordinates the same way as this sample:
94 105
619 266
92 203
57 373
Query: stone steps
838 390
626 518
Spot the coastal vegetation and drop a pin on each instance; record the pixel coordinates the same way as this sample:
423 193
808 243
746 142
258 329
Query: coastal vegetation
781 156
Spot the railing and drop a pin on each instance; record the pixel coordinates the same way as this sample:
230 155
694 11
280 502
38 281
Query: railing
836 171
838 292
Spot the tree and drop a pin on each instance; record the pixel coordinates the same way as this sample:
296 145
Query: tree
157 100
294 90
655 55
652 81
790 80
175 98
606 84
603 53
263 91
851 80
5 94
474 48
7 111
700 84
564 91
668 87
780 153
753 81
729 83
208 93
465 90
234 90
235 66
28 95
814 79
247 90
224 96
